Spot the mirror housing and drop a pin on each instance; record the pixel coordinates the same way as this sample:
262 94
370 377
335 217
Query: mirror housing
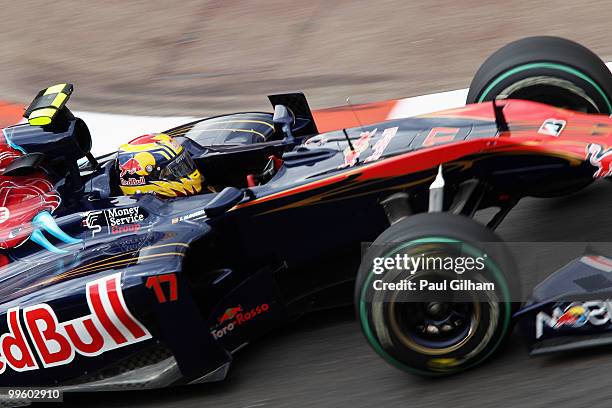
24 165
226 199
284 118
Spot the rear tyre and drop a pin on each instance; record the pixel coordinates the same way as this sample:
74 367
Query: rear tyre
550 70
449 333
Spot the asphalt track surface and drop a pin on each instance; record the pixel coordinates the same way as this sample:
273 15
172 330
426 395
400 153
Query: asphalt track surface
207 57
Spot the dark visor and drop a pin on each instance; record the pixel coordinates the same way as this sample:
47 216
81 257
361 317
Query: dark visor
180 167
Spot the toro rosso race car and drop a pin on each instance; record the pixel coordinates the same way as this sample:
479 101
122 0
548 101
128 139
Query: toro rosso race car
101 290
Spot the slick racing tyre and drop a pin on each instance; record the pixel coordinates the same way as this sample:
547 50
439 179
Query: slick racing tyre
449 329
550 70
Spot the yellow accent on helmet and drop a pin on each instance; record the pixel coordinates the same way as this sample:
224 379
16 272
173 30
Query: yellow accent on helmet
157 164
147 161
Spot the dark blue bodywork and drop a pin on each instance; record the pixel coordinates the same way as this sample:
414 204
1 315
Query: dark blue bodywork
204 286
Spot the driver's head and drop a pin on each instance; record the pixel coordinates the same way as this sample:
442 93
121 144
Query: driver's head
157 164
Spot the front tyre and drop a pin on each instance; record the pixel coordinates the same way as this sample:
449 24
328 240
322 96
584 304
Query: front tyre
550 70
446 332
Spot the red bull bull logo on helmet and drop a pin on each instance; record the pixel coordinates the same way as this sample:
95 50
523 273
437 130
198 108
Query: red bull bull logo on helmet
129 167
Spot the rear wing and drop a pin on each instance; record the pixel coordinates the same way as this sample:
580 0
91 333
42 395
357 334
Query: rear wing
297 103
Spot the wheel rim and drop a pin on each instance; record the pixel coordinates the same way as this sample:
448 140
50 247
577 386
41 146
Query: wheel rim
423 331
554 67
551 91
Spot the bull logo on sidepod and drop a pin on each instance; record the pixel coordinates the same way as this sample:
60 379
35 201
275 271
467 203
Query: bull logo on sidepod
108 326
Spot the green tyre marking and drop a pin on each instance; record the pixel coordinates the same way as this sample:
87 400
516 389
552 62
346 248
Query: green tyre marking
549 65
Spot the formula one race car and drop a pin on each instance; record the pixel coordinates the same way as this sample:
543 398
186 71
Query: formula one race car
105 291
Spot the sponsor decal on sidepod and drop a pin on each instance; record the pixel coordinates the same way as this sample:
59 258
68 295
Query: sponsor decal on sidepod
116 220
108 326
229 314
234 317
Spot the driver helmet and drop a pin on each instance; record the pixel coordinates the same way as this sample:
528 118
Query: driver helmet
157 164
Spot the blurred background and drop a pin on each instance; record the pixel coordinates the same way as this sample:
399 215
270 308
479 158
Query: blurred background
200 58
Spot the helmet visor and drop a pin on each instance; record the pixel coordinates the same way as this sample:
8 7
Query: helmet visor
180 167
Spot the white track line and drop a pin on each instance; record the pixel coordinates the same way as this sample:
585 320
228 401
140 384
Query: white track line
419 105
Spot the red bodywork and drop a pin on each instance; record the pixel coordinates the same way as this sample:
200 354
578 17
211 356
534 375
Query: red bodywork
585 137
21 199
